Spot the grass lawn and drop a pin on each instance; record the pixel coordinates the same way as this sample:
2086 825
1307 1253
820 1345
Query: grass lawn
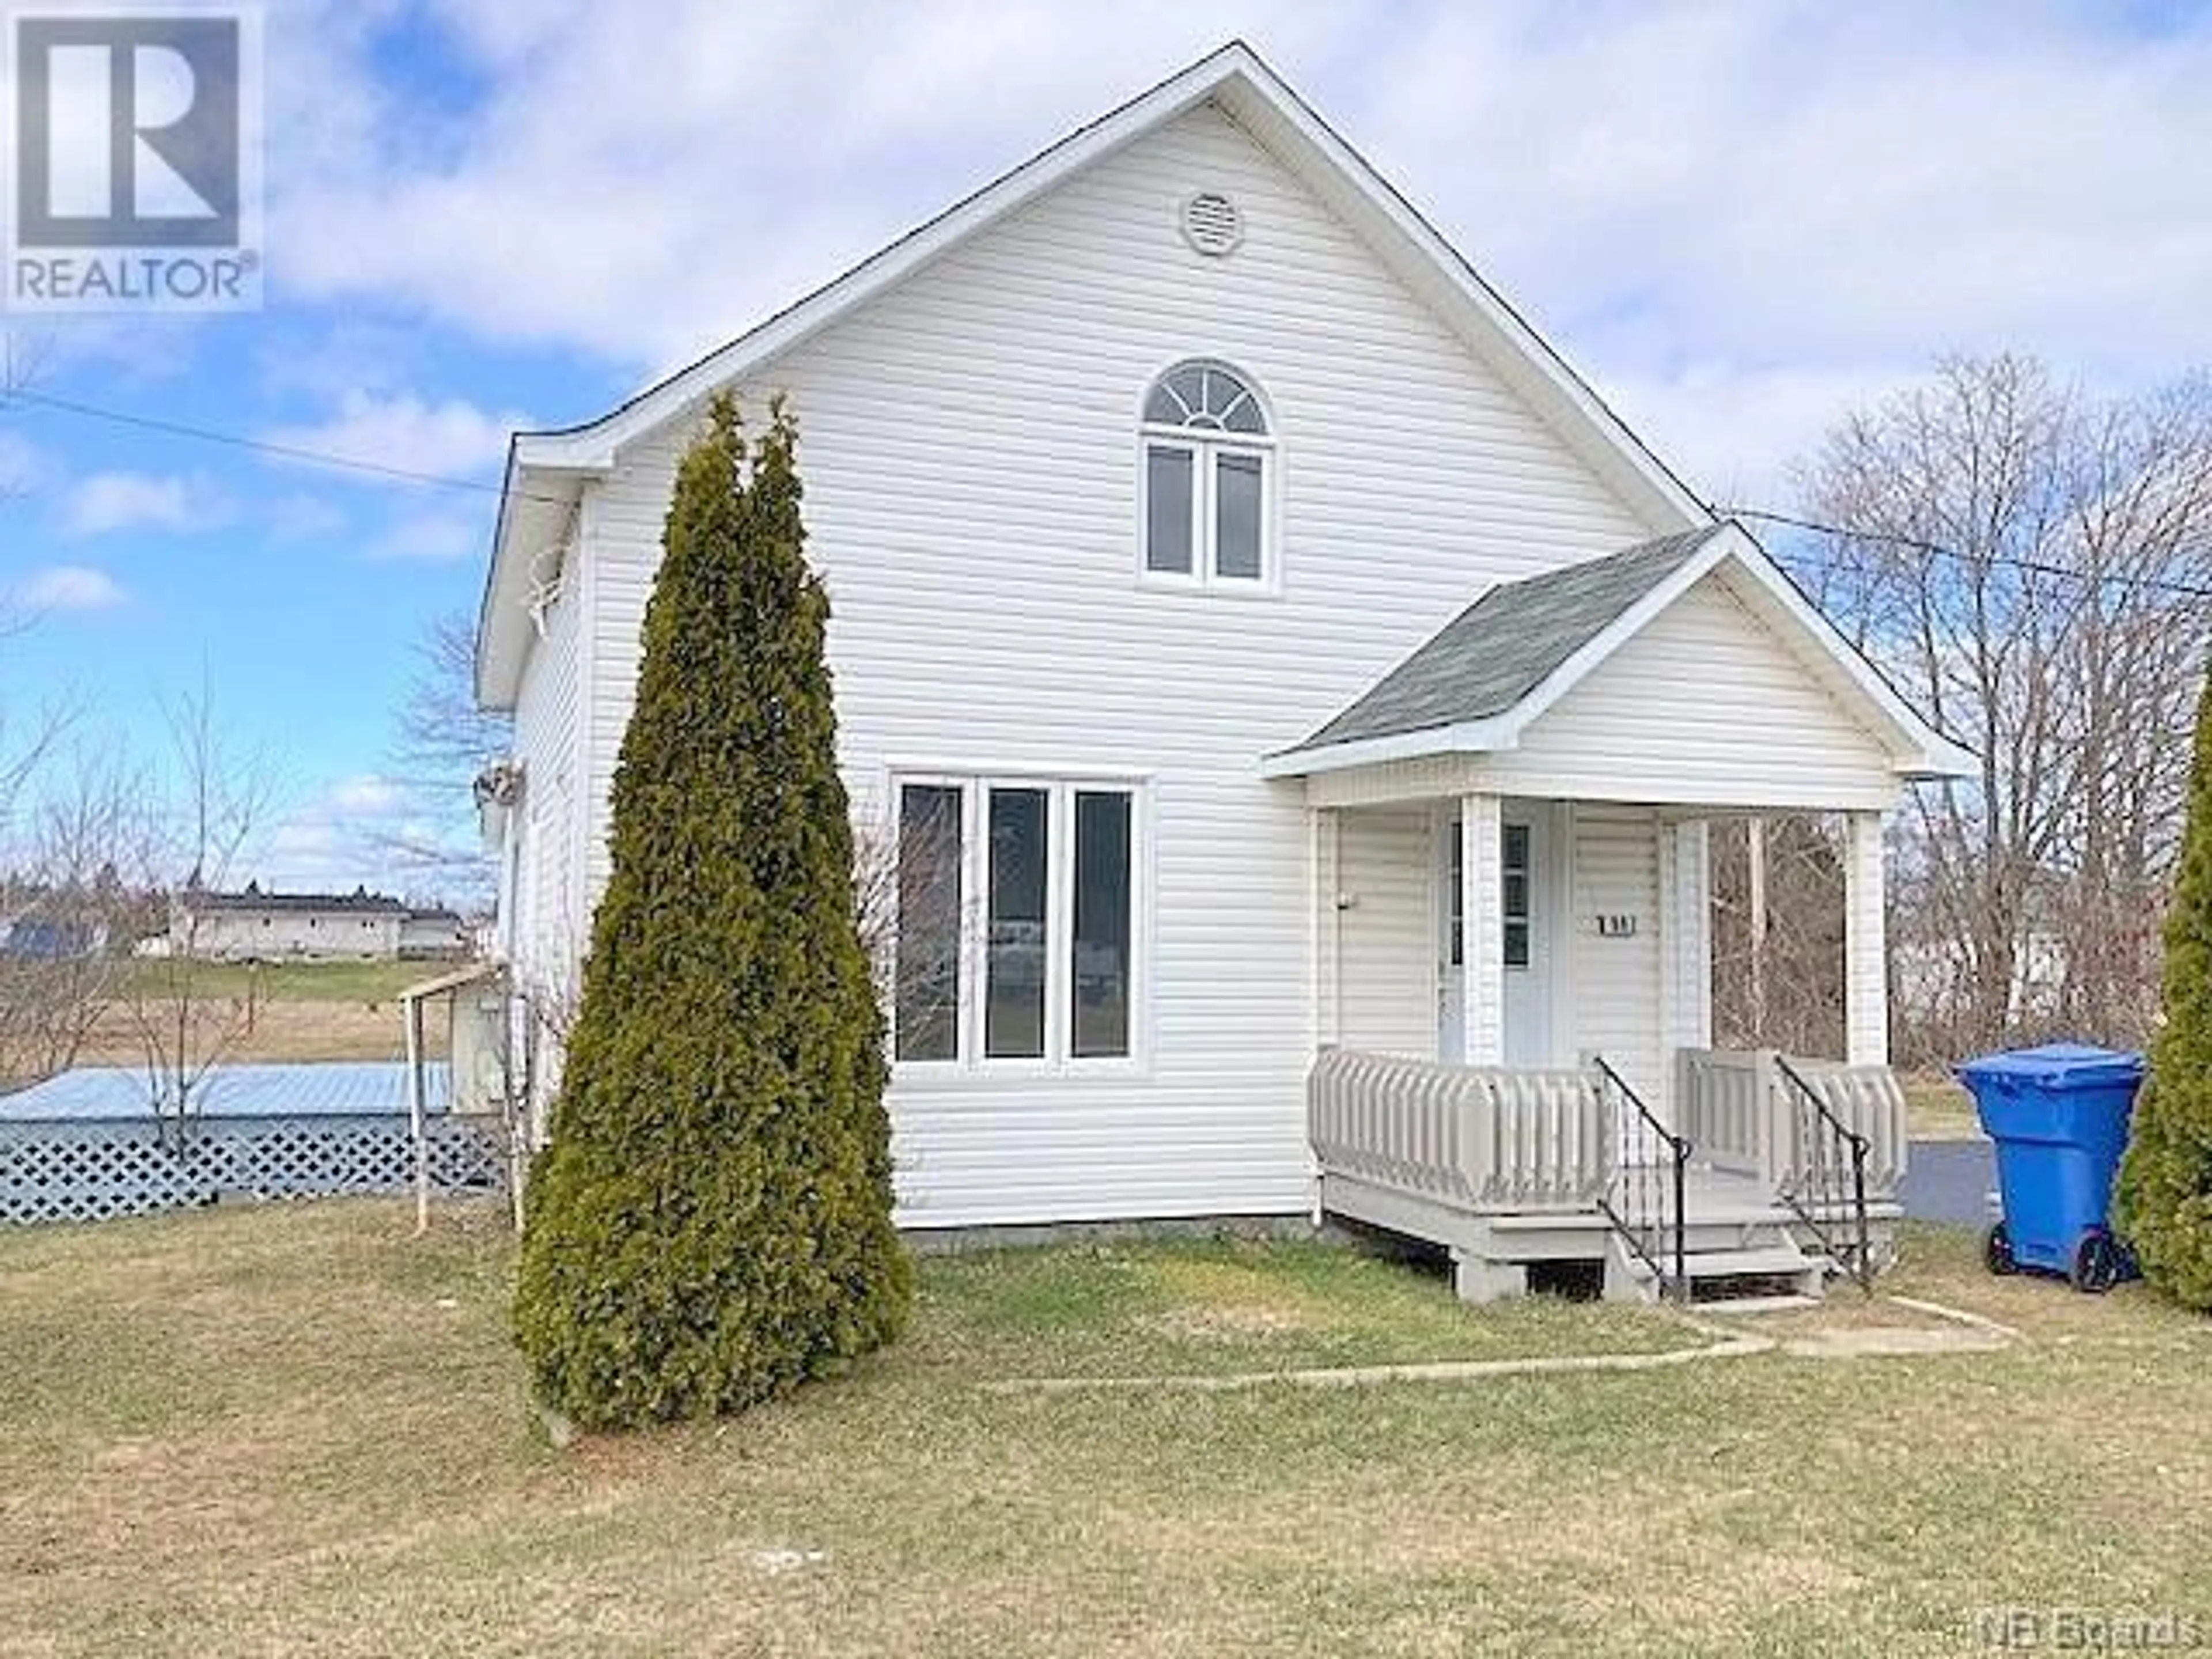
302 1010
1938 1108
297 1430
292 981
1207 1308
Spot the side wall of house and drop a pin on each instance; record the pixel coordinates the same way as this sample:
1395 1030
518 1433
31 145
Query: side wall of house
969 448
1619 979
1386 928
542 933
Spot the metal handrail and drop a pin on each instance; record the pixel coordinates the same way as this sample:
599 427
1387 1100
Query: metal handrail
1860 1255
1638 1196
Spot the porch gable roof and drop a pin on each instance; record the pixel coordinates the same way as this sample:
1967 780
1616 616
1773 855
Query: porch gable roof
1484 661
1487 674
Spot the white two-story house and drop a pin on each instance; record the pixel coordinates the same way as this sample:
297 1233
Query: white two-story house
1293 701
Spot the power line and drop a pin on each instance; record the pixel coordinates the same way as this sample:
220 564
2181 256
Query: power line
311 456
2010 561
261 446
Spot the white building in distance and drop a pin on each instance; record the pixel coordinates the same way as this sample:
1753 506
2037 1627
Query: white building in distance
361 926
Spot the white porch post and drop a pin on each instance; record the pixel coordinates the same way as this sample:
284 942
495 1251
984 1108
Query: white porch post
1691 950
1685 972
1482 946
1866 954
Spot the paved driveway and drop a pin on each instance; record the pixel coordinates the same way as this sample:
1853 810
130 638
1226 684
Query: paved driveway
1949 1181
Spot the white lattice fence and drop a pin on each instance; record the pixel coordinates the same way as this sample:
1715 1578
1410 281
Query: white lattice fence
90 1170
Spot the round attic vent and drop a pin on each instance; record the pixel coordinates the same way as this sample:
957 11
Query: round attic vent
1211 224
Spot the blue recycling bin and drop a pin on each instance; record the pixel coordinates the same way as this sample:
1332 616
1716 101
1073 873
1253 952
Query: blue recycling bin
2058 1118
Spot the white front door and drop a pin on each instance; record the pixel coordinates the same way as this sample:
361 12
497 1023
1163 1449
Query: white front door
1525 855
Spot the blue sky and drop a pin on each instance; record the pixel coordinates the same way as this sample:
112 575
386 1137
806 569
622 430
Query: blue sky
1739 221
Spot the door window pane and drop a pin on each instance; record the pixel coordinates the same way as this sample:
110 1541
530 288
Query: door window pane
1236 481
927 989
1101 944
1014 964
1168 478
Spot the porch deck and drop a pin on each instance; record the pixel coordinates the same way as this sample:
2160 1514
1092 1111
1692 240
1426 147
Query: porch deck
1789 1168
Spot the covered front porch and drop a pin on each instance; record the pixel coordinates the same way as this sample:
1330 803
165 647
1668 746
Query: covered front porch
1513 970
1515 1059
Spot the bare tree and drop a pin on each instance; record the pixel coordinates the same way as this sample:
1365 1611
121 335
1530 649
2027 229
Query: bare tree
69 916
56 973
443 740
2060 632
182 1025
1778 954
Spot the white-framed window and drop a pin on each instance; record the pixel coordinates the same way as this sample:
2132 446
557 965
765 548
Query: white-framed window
1208 485
1017 934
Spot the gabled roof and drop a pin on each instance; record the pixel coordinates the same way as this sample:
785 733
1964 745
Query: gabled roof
1513 654
546 470
1508 641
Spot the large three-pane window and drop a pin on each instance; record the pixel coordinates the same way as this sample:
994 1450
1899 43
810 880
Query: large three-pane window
1016 935
1208 457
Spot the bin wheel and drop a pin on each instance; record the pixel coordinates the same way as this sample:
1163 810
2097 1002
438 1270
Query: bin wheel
1997 1251
2096 1267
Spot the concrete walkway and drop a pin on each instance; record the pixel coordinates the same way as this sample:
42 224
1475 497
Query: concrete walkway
1955 1332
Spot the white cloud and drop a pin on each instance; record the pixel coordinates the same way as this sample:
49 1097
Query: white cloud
730 161
1722 204
362 830
67 588
433 536
405 433
300 517
109 502
368 795
1734 432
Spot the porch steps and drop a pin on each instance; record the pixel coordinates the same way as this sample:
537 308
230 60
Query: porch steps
1721 1276
1751 1306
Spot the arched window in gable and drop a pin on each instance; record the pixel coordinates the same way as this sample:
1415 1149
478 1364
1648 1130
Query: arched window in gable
1209 483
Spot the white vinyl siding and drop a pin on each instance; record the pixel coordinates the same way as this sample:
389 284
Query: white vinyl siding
544 933
1706 704
990 620
1386 931
1616 1003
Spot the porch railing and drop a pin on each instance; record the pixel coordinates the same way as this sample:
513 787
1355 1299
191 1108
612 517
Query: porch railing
1647 1201
1478 1138
1863 1100
1740 1112
1828 1188
1725 1101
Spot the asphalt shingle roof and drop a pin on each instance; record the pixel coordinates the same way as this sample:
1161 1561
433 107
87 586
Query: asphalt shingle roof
1508 643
